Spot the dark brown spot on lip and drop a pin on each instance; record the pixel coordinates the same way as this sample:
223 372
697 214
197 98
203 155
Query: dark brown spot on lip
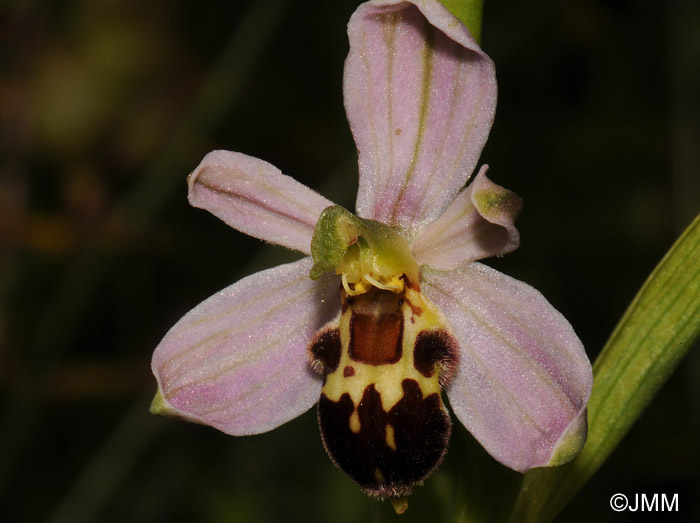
436 351
376 339
421 430
376 327
415 309
346 301
348 371
411 284
324 350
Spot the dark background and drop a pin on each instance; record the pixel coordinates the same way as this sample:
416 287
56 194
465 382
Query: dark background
106 106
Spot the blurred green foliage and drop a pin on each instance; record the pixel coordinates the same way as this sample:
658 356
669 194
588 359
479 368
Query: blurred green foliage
105 107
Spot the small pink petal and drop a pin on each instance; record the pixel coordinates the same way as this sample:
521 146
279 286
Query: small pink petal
238 360
479 223
256 198
420 97
524 378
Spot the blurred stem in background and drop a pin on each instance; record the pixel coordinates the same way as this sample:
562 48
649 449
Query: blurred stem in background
57 325
656 332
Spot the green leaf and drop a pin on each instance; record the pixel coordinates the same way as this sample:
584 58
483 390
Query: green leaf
469 13
654 334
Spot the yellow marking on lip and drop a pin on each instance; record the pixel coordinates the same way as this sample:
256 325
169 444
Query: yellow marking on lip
386 378
379 476
390 441
355 422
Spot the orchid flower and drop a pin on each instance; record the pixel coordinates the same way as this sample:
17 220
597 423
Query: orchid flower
389 307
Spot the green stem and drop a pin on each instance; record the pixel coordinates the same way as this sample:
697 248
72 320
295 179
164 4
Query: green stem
469 12
655 333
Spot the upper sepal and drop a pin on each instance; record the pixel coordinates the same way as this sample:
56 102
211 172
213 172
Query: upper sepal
420 96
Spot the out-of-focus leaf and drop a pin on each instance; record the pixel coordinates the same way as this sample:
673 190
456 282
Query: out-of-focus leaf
656 331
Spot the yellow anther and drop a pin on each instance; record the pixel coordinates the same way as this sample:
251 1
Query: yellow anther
359 287
394 285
